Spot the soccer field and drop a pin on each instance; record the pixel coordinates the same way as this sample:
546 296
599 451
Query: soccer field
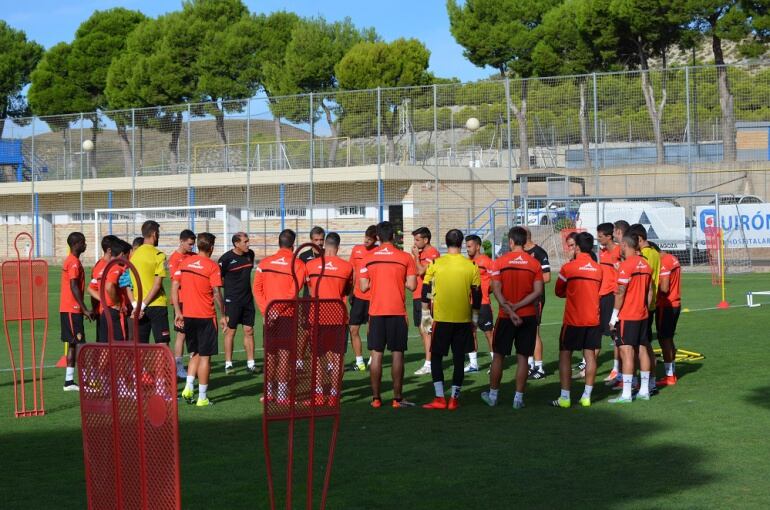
700 444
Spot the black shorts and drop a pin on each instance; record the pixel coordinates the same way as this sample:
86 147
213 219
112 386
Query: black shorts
155 319
606 305
201 336
506 335
486 320
539 308
577 338
72 329
389 331
417 312
650 320
119 326
457 335
359 311
666 319
240 312
633 333
177 328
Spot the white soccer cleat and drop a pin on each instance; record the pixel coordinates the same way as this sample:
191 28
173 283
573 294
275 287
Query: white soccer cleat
423 370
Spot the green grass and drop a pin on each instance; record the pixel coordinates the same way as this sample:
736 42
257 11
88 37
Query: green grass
700 444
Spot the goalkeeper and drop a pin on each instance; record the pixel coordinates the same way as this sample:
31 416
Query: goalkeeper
449 283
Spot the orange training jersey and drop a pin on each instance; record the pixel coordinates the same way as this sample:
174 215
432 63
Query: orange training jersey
71 270
198 276
336 281
635 274
427 255
357 257
669 268
386 268
484 264
610 261
113 277
173 264
273 278
96 276
517 271
579 281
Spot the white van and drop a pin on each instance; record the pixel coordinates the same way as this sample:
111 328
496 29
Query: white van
665 222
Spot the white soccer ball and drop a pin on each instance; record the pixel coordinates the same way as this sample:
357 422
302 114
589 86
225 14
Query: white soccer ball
472 124
88 145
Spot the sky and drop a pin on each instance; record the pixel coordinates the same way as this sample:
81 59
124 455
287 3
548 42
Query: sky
51 21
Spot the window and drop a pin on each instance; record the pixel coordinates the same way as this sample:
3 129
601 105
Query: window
351 210
296 212
269 212
78 217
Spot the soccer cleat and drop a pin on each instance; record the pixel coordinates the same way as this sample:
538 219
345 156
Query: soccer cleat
438 403
376 403
518 404
357 367
181 373
585 401
580 366
536 374
229 369
398 404
453 404
611 378
70 386
669 380
579 374
564 403
487 399
423 370
187 395
204 403
639 396
620 400
254 370
469 369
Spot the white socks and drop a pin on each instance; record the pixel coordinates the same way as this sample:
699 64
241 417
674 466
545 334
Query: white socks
519 397
439 387
473 357
565 395
359 360
587 391
669 369
493 394
616 365
531 362
539 365
456 391
70 374
202 391
644 387
627 381
427 364
190 382
250 363
228 364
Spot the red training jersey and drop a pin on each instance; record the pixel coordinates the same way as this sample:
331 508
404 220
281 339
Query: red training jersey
387 268
670 268
484 264
173 264
71 270
198 278
96 276
635 275
113 277
580 281
610 261
427 255
357 257
336 281
517 272
273 279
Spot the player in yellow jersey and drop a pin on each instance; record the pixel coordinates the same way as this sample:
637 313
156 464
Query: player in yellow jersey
150 263
453 285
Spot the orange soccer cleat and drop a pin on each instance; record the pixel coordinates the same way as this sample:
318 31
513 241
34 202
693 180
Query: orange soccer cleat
438 403
453 404
669 380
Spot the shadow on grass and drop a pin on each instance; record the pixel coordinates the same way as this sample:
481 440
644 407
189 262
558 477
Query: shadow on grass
480 456
760 397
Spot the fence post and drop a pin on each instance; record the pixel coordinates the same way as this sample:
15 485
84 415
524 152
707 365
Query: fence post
81 172
435 157
21 179
133 157
596 149
189 141
312 163
510 153
689 160
380 204
248 165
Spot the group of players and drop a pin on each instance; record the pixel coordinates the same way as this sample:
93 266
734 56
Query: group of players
619 294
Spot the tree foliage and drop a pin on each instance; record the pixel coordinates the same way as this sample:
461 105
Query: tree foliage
18 58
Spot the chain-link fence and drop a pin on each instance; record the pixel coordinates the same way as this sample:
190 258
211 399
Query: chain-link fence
347 159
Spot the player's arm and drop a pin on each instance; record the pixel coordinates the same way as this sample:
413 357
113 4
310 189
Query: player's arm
111 289
546 276
220 303
411 282
94 296
75 288
178 317
620 297
258 289
561 284
664 283
497 290
650 298
545 266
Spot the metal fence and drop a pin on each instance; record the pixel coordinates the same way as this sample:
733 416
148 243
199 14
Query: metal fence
345 159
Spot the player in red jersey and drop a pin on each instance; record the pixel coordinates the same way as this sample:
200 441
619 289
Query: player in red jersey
336 283
667 316
517 282
629 319
609 258
359 302
184 250
115 309
424 253
486 321
199 282
579 282
96 275
386 272
274 280
72 309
